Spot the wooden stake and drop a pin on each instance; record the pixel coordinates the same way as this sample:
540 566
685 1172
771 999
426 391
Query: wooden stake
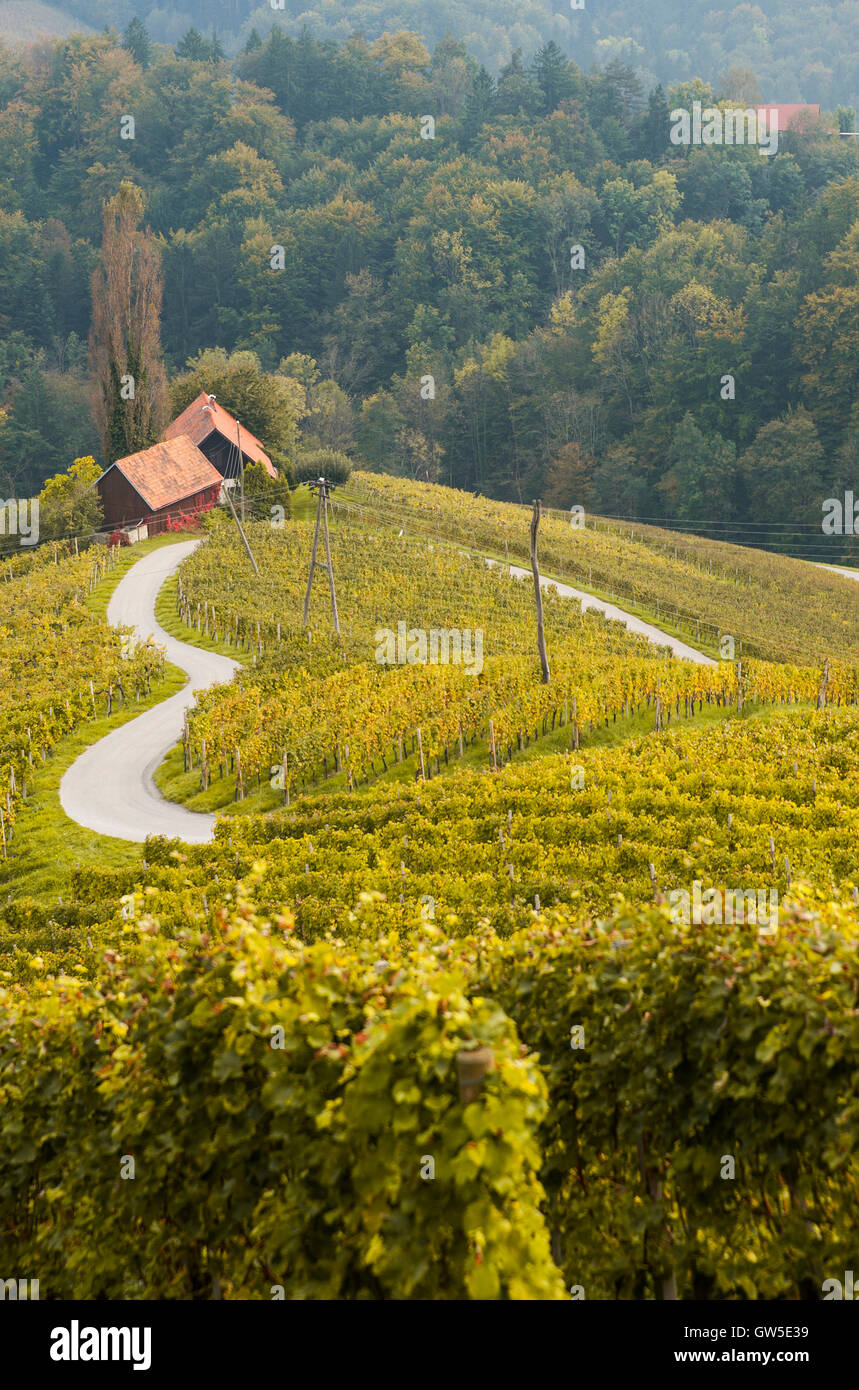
538 593
421 755
472 1067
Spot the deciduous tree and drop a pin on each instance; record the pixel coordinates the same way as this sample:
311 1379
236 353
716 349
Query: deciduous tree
130 383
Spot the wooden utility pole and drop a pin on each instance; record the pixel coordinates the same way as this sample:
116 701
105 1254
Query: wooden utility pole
538 592
245 542
241 467
322 489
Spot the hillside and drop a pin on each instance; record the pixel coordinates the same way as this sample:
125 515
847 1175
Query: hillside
639 871
547 298
24 21
798 53
429 724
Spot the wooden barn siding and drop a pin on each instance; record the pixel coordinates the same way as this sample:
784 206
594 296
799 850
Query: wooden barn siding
221 453
120 501
122 504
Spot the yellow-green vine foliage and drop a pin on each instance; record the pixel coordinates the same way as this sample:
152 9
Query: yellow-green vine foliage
260 1167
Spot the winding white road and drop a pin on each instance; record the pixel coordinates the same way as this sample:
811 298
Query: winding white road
653 634
839 569
110 788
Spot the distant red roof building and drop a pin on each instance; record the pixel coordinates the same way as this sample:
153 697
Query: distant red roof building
215 431
790 117
158 483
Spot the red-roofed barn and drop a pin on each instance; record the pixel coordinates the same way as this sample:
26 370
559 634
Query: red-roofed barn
215 431
168 479
788 116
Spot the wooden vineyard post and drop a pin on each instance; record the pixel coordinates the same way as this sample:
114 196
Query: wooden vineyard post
824 682
228 493
492 746
330 567
421 756
538 593
313 550
472 1066
285 779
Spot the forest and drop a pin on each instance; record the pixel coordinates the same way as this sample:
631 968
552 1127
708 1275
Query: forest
532 292
799 52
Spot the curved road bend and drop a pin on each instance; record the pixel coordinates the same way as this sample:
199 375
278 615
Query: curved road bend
110 788
636 625
839 569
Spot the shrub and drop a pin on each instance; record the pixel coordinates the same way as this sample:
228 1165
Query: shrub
265 492
323 463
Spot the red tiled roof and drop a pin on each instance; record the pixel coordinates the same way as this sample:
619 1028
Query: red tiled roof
168 472
787 114
202 416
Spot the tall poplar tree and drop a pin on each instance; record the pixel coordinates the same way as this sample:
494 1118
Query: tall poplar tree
130 384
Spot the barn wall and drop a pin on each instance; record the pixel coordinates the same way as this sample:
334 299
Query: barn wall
221 453
157 521
120 501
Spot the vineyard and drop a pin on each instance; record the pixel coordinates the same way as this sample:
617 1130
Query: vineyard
291 1101
61 665
774 607
308 709
421 1021
770 802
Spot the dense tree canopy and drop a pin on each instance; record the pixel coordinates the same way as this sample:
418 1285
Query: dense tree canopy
481 270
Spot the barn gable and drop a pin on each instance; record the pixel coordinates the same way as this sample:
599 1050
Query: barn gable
215 432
